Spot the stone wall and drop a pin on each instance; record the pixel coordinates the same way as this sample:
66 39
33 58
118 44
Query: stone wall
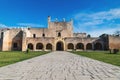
56 35
114 42
10 37
82 35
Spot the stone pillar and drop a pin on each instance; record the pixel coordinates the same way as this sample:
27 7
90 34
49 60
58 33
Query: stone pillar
84 47
54 47
34 47
74 46
65 46
24 42
44 47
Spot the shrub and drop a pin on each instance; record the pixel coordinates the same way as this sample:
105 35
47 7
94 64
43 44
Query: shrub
28 50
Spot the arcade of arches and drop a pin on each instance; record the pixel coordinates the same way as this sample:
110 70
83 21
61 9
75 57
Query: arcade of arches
69 46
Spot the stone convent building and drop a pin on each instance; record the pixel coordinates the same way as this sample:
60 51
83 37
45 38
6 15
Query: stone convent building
57 36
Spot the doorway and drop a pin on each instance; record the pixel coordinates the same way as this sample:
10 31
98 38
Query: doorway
59 46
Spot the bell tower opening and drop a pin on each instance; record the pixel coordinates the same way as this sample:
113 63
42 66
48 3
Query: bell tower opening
59 34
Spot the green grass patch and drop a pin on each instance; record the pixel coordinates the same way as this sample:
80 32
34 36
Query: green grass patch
104 56
7 58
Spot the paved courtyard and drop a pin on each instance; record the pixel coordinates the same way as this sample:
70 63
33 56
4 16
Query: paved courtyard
60 66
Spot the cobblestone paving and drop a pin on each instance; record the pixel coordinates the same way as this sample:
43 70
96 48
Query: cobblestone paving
60 66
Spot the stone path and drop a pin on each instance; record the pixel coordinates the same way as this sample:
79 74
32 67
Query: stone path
60 66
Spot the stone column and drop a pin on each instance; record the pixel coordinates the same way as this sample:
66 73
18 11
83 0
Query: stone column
74 46
84 47
34 47
44 47
24 41
54 47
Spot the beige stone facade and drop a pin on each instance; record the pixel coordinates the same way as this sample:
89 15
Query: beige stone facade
57 36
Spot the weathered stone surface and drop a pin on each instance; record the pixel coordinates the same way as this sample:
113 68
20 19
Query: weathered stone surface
56 32
60 66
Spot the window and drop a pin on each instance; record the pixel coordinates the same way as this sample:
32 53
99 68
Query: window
15 45
43 35
34 35
59 34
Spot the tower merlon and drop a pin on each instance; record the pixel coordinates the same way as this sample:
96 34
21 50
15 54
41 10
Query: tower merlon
49 18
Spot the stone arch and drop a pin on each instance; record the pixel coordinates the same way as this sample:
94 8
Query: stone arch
98 46
49 46
39 46
70 46
30 46
60 46
80 46
89 46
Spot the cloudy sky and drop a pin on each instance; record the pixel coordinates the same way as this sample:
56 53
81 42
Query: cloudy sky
94 17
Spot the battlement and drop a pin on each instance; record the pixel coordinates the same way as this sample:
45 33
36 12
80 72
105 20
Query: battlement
56 20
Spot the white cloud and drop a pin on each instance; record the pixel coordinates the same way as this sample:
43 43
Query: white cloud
96 23
6 26
30 25
99 32
19 25
3 26
108 15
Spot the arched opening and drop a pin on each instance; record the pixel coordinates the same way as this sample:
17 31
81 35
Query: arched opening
30 46
70 46
98 46
60 46
80 46
39 46
49 46
89 46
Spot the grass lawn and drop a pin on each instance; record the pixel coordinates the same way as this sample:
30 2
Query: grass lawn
7 58
101 56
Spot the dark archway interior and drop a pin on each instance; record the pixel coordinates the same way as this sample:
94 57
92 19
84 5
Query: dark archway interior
59 46
30 46
70 46
39 46
49 46
80 46
98 46
89 46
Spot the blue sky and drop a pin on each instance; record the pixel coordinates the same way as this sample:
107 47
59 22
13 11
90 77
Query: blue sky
94 17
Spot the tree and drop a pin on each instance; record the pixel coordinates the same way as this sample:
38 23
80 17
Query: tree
88 36
117 33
